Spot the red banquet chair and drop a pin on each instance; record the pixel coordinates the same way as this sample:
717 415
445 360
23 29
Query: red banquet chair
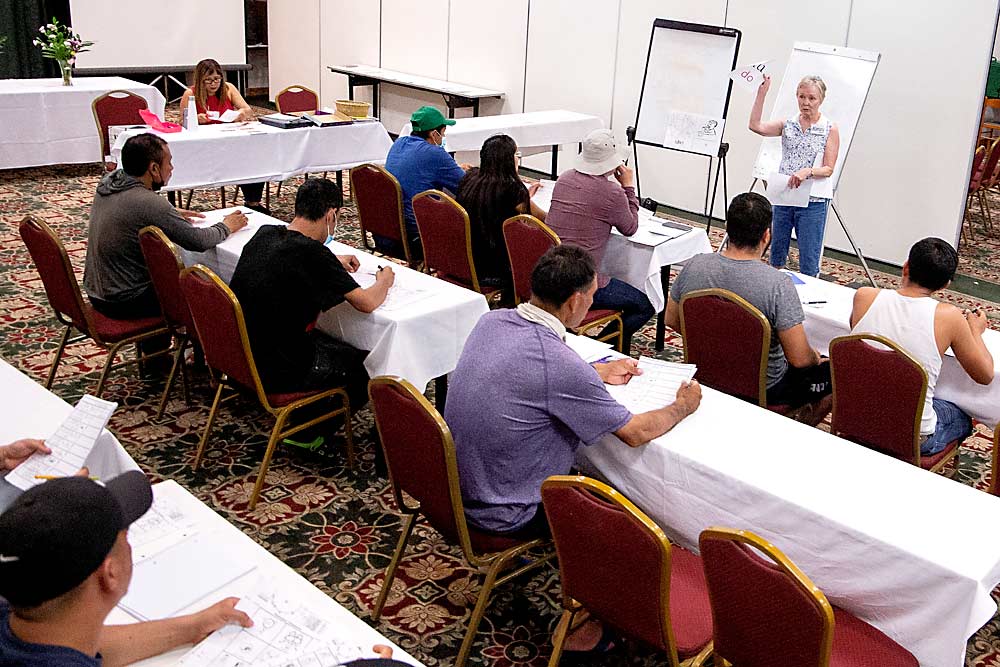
420 455
379 200
218 320
975 180
116 107
767 613
729 340
63 292
165 268
619 566
527 239
297 99
447 241
878 399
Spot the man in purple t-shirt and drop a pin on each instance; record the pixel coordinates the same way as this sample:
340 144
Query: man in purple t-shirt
521 402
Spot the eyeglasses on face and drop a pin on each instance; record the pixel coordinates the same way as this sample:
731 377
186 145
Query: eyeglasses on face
213 79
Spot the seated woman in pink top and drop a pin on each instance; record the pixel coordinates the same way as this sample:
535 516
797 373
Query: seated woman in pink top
214 96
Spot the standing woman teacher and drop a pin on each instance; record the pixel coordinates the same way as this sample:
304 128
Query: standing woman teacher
803 140
213 96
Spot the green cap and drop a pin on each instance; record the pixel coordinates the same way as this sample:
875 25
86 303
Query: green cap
428 118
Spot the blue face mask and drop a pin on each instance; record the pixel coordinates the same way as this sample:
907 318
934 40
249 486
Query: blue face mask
329 237
443 145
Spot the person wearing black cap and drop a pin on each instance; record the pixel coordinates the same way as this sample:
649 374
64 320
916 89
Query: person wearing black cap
65 562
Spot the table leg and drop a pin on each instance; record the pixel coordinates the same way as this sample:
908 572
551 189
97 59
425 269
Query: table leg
475 107
350 87
661 324
555 161
375 100
340 181
440 392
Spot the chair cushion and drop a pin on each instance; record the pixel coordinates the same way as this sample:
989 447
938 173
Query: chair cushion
594 315
690 610
857 644
485 543
780 409
928 462
281 400
112 331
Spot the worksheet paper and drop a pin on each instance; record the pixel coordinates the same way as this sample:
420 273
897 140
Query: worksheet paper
332 654
779 194
655 388
284 628
589 349
399 296
190 571
70 444
163 526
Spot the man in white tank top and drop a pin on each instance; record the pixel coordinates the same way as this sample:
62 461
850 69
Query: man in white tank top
926 328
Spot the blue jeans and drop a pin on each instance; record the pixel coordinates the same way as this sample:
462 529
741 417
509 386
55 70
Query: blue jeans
952 424
809 224
635 306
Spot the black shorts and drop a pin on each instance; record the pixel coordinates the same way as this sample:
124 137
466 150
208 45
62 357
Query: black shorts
799 386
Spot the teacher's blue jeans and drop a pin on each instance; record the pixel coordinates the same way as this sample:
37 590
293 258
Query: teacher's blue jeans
809 224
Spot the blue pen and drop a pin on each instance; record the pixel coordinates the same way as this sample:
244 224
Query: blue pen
604 360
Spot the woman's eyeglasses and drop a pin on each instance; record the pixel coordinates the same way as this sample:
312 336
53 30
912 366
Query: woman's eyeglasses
213 79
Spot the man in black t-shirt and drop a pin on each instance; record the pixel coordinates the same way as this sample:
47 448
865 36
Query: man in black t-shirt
285 278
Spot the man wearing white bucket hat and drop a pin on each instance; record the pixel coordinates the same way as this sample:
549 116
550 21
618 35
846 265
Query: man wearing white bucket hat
586 203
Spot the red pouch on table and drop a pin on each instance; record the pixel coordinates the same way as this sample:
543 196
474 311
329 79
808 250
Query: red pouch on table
155 123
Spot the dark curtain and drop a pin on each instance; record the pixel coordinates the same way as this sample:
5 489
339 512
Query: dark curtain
19 23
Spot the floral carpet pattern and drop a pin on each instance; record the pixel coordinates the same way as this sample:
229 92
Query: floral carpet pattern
335 526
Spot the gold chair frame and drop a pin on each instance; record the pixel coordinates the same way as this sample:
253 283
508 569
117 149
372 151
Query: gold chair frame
618 336
399 202
101 132
490 564
277 98
882 340
571 607
181 338
752 310
811 590
64 340
281 414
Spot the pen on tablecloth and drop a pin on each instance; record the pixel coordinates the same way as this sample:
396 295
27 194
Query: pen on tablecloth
47 477
604 360
812 303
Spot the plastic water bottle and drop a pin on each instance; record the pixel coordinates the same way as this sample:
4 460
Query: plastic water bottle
191 115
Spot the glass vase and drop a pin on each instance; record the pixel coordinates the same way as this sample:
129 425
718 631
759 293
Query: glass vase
67 72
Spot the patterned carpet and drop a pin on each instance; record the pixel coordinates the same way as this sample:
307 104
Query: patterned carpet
334 526
980 249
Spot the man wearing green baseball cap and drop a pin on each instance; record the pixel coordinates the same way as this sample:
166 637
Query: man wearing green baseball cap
420 162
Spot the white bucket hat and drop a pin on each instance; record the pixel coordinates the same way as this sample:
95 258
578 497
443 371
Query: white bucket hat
599 155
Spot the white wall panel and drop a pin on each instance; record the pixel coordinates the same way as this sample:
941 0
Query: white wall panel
571 61
131 36
908 169
414 40
293 35
350 34
668 176
486 48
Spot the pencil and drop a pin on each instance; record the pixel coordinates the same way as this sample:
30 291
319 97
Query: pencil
47 477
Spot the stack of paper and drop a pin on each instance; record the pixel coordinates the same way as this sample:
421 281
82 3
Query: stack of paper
70 444
655 388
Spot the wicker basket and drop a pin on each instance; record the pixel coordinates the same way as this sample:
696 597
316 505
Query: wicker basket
353 109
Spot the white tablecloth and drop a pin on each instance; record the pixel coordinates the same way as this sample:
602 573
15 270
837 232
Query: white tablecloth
419 342
227 154
43 122
911 552
633 259
342 624
28 410
824 322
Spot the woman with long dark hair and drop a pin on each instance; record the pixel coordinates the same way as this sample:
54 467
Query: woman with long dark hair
213 96
490 194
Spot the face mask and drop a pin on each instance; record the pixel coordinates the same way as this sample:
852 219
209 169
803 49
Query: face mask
329 237
443 143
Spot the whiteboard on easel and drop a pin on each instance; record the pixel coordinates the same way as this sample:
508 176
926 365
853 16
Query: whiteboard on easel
848 74
686 87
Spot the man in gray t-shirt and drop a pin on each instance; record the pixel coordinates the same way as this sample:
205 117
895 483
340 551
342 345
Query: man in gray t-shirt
796 374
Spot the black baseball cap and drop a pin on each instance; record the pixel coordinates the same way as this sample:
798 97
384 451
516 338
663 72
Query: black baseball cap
58 533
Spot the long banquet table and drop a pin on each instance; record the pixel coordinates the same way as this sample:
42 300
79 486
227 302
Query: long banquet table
909 551
29 410
232 153
418 334
44 122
